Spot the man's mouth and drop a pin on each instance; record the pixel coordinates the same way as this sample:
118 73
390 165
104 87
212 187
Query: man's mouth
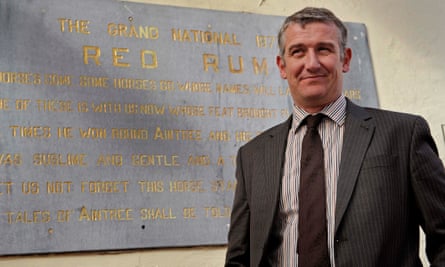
312 77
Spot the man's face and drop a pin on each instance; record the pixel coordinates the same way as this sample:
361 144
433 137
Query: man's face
312 64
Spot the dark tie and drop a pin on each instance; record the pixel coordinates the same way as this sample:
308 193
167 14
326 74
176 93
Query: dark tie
312 231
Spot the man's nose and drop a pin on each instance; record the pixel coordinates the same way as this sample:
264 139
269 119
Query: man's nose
312 60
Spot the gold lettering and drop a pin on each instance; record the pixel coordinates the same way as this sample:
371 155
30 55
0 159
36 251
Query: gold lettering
54 105
27 78
8 186
64 215
240 63
92 52
196 111
137 84
4 104
22 104
220 161
177 134
30 131
10 159
54 79
148 58
243 136
115 51
93 133
195 87
147 160
217 212
64 132
182 186
282 91
189 213
115 160
151 186
51 159
263 90
210 60
257 69
262 113
205 37
265 41
156 214
26 217
166 85
96 215
129 134
93 81
58 187
32 188
201 160
153 59
95 187
233 88
353 94
219 136
138 32
106 107
222 186
69 25
220 111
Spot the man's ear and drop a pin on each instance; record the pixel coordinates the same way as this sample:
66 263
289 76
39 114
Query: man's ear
347 59
281 66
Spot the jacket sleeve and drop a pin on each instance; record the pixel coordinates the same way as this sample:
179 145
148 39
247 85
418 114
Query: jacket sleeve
428 180
238 248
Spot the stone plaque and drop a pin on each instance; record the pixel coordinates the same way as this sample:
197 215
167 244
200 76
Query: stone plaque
120 122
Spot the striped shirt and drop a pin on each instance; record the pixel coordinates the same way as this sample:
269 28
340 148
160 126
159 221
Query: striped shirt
331 132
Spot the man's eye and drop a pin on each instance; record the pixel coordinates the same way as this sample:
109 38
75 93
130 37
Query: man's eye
296 52
324 49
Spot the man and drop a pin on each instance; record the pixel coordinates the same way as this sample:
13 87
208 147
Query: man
382 175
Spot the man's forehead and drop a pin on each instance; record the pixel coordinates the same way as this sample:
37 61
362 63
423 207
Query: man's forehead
319 24
320 31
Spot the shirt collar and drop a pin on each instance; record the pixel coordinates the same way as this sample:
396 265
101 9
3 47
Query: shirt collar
336 111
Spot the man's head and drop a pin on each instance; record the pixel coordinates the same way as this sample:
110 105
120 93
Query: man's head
313 57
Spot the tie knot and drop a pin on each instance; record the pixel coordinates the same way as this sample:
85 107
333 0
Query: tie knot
312 121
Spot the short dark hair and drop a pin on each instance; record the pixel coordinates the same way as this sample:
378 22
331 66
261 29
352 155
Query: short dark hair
314 14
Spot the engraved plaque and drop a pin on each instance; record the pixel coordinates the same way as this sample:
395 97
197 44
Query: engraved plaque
120 122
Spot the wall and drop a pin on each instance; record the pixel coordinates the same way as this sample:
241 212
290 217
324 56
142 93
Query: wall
406 41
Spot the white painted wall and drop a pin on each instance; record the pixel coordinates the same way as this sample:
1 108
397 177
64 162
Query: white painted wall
407 41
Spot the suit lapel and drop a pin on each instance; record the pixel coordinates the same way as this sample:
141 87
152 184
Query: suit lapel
357 137
269 184
274 156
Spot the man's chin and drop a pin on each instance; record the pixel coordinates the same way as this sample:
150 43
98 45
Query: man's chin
315 93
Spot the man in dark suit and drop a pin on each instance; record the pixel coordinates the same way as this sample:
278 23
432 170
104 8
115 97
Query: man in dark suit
383 177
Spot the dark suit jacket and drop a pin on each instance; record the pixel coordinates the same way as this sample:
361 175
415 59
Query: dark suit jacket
391 181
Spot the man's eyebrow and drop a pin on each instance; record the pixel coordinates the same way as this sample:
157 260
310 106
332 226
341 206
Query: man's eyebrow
296 46
299 45
326 44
